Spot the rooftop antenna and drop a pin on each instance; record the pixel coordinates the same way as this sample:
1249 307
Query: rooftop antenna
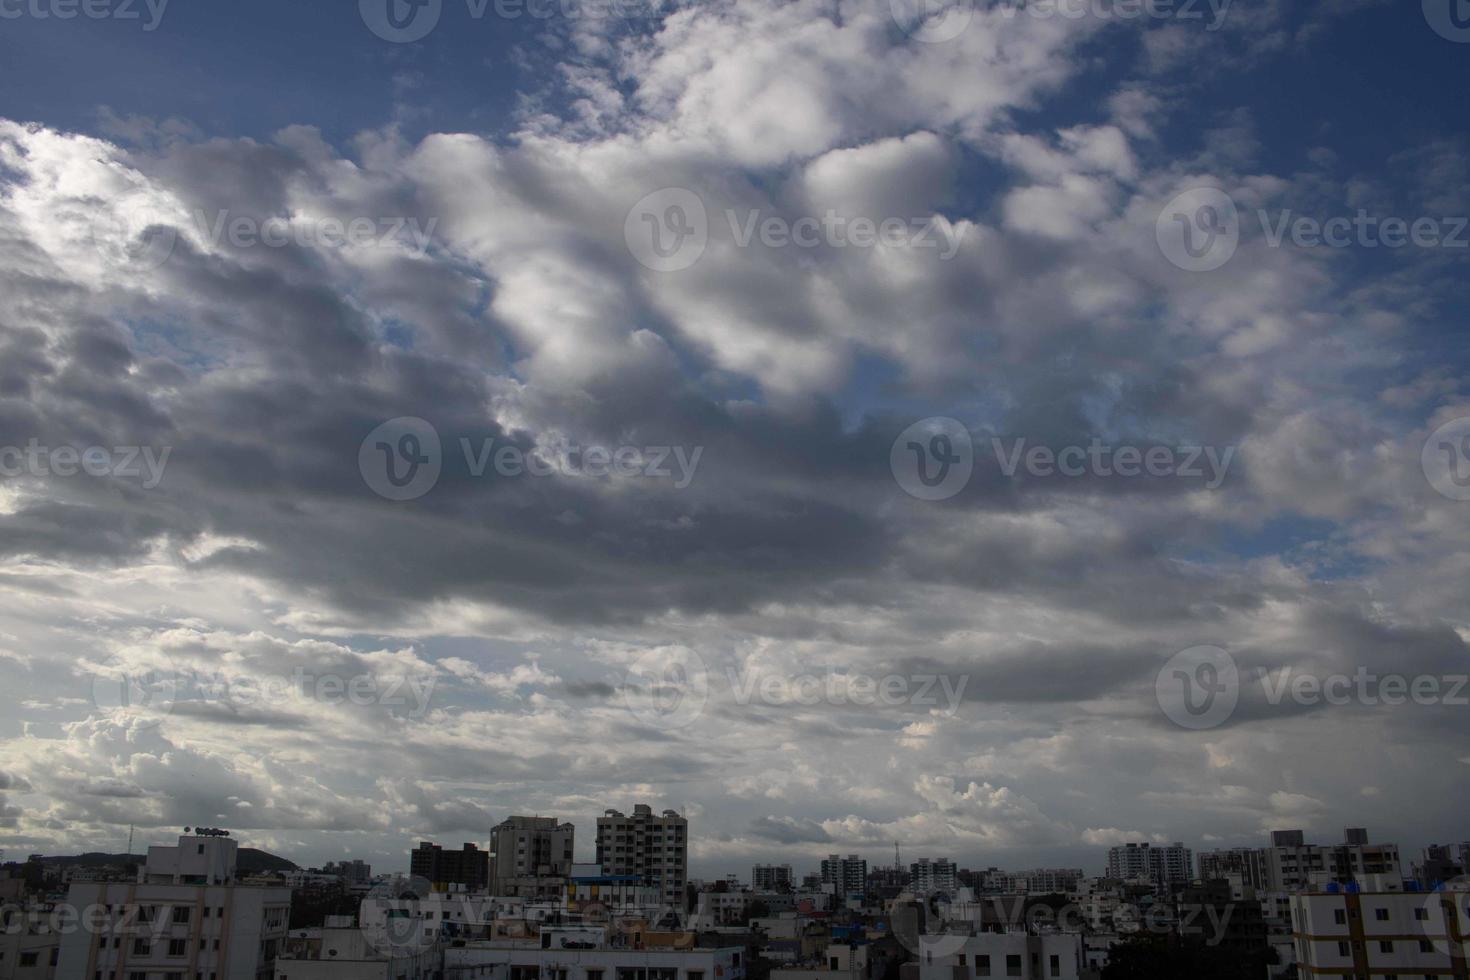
897 864
130 840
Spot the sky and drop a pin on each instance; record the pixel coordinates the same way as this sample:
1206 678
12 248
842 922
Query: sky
1004 429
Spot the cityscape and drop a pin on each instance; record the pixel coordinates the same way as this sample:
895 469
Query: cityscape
734 490
523 907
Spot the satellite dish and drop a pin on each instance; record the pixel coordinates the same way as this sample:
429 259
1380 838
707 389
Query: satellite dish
186 830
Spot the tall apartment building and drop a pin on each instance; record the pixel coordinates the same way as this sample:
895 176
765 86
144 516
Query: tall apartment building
185 918
531 847
1242 866
849 874
927 877
1040 881
1163 865
1293 865
770 877
468 866
1347 933
1443 862
654 848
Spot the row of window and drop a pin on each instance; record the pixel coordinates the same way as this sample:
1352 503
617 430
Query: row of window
144 947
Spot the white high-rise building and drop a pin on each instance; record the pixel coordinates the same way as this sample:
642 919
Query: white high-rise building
653 848
848 875
1163 865
526 847
185 918
927 877
770 877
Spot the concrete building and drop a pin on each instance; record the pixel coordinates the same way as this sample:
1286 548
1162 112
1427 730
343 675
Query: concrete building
1162 865
29 945
654 848
1241 866
848 875
1381 934
526 847
1056 956
580 954
770 877
342 951
468 866
185 918
355 872
928 877
1293 865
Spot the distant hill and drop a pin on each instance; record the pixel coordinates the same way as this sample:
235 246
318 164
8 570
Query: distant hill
250 860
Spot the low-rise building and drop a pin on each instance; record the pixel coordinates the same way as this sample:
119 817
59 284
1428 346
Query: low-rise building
186 918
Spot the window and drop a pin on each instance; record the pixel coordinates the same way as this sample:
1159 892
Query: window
181 913
140 947
1340 917
1425 946
177 947
173 976
1421 915
1386 946
1013 965
27 959
1380 915
136 975
1056 965
1344 950
982 966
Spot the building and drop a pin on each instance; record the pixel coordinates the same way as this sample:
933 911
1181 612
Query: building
1345 932
1054 956
342 951
929 877
1442 862
185 918
29 945
531 847
354 872
848 875
1163 865
770 877
1241 866
468 866
583 953
654 848
1293 865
